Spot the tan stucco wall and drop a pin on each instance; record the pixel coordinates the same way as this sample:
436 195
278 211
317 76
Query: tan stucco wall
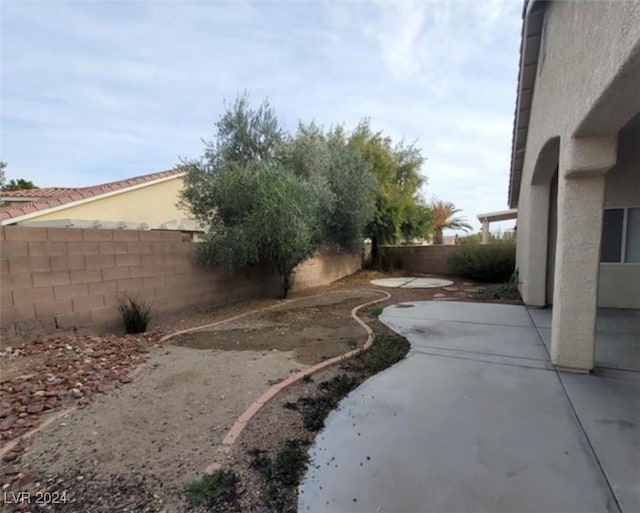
153 204
620 283
584 47
622 184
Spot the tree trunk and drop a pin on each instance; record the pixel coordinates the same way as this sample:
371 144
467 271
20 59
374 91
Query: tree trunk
286 281
287 285
375 253
437 236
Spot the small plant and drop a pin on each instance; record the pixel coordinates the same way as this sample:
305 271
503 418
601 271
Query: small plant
282 474
135 313
376 311
488 263
211 488
290 405
307 378
290 463
508 291
315 409
387 349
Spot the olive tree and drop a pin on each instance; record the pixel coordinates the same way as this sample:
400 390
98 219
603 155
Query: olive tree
328 159
255 208
258 212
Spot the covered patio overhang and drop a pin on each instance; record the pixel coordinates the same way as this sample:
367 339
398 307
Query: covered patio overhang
575 158
493 217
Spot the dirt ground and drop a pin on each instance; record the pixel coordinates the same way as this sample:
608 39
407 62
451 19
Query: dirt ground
312 329
146 440
155 416
165 425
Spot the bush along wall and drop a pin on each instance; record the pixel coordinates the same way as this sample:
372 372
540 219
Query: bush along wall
489 263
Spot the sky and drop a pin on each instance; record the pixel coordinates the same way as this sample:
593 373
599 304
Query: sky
99 91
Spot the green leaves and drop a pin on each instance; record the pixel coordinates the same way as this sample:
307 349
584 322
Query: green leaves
443 214
399 212
268 196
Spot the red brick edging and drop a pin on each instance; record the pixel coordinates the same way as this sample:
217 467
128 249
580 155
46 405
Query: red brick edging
237 428
251 411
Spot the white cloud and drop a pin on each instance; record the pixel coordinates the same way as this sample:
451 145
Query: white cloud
97 91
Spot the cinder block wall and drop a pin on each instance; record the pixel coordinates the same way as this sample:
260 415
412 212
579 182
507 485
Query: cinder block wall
53 278
326 267
420 259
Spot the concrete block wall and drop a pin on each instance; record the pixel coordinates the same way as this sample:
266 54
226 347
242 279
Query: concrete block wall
57 278
420 259
324 268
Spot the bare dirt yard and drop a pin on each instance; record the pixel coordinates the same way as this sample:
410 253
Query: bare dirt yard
135 447
150 416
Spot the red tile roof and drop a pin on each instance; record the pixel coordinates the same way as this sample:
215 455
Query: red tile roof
55 196
42 192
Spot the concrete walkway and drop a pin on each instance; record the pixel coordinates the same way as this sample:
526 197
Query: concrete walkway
476 419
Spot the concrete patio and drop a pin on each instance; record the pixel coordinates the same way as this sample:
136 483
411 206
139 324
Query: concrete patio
477 419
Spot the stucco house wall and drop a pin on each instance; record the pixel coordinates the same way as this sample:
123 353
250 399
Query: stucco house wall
620 283
583 48
153 203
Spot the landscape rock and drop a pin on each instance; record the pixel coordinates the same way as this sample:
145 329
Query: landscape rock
54 372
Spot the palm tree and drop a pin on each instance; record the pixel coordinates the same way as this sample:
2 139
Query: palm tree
443 215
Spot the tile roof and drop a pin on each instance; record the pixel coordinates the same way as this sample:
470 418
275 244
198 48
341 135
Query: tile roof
41 192
55 196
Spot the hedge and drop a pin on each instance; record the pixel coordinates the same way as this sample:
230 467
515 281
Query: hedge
489 263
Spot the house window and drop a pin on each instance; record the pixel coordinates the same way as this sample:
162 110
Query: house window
620 241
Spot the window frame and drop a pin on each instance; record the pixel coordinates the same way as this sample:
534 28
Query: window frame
623 244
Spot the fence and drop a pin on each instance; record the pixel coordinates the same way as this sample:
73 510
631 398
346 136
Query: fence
420 259
59 278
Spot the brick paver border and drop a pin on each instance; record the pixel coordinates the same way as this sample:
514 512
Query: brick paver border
257 405
249 413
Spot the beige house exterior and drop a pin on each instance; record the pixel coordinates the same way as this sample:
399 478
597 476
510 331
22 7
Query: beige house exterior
575 173
143 202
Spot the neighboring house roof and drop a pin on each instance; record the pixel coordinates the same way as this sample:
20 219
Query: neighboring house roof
53 197
36 194
532 18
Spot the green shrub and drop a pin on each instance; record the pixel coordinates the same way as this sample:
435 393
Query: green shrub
211 487
489 263
135 313
282 474
290 464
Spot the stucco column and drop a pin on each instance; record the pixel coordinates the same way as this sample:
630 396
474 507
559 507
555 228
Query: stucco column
581 181
485 231
532 245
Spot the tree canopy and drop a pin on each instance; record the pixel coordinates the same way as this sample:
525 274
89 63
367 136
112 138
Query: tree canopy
19 184
444 217
269 196
400 212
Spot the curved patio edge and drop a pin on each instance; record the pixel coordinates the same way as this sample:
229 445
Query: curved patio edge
234 433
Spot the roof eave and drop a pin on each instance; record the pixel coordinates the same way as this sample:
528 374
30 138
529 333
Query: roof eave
533 12
37 212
